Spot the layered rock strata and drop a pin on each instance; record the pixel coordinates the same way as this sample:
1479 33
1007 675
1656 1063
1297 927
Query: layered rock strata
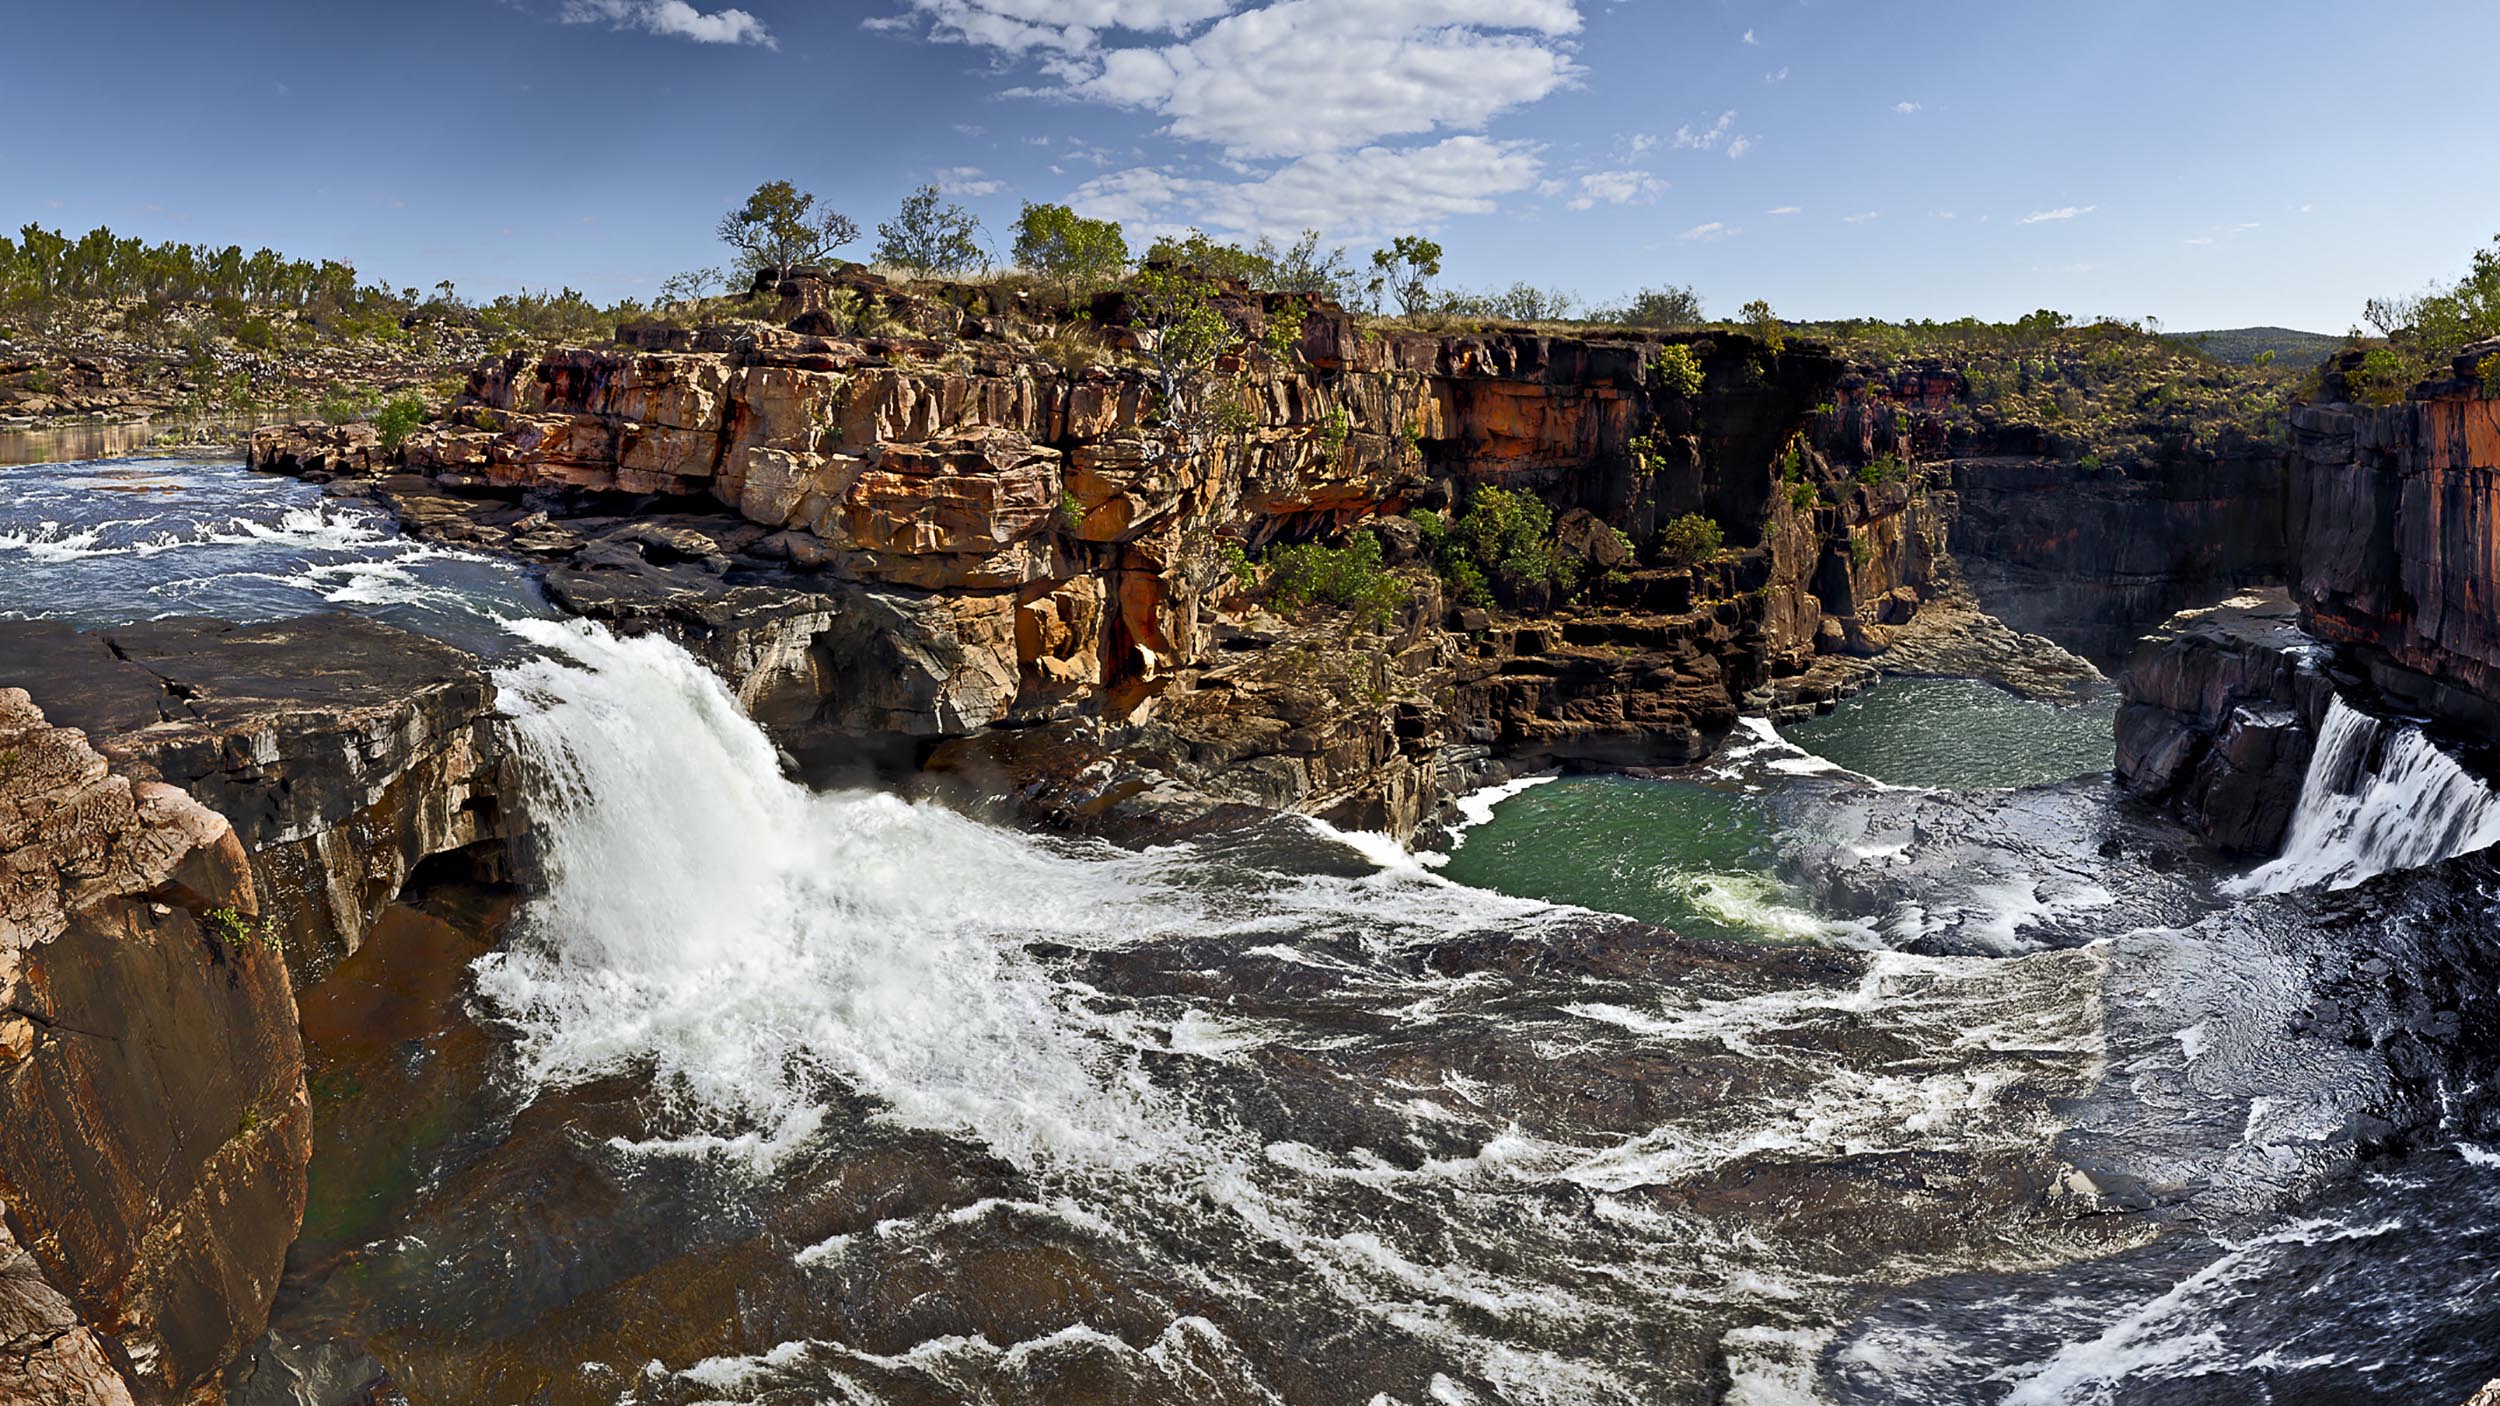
938 530
2396 513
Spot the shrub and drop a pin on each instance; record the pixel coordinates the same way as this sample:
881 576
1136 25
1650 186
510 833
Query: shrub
1337 428
930 239
1353 576
1067 248
1069 511
1670 306
1758 316
1801 496
1679 371
1690 539
1885 469
339 407
1648 456
398 420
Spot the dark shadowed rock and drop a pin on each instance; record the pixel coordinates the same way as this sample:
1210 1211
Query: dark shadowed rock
2222 711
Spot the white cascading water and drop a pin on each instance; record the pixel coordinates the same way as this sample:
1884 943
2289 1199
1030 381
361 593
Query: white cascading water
2379 797
746 938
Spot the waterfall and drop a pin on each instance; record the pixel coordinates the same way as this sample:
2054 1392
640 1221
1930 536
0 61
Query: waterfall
753 943
2379 797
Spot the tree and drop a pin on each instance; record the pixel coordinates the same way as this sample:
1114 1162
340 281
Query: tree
1188 335
778 229
1758 316
1067 248
1671 306
1406 270
692 286
930 239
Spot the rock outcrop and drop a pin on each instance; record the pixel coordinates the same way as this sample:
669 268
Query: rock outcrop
151 1080
2222 711
2395 510
892 541
342 751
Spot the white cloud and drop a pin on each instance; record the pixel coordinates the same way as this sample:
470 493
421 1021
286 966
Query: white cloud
1861 217
1686 139
1786 210
967 180
2062 212
1777 75
674 18
1301 76
2305 209
1710 233
1617 188
1639 142
1906 108
1750 39
1376 189
2201 239
1739 147
1290 94
1060 26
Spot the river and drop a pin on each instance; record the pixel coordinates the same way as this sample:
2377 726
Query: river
1946 1079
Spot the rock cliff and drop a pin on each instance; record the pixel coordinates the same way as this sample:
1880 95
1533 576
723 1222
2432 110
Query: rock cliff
939 530
197 821
2396 512
2222 711
151 1080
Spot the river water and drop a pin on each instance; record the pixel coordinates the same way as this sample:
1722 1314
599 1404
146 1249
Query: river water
1935 1092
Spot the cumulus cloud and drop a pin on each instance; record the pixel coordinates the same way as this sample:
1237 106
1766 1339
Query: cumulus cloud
674 18
1058 26
1374 190
1737 148
1777 75
1786 210
2062 212
1617 188
1750 39
1906 108
1710 233
1302 76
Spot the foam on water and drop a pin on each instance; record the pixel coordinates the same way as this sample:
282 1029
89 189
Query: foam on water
762 952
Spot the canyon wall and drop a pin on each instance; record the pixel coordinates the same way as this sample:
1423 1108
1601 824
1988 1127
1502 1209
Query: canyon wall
2396 513
955 525
2095 556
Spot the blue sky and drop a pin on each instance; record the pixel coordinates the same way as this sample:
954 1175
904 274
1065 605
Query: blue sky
2211 162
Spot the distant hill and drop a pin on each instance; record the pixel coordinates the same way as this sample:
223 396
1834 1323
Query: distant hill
2240 345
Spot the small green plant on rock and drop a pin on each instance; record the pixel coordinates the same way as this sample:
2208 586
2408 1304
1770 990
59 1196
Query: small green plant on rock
1884 469
229 928
397 420
1069 511
1336 429
1354 576
1690 540
1679 371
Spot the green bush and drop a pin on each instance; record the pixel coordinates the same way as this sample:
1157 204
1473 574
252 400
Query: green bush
1690 539
1801 496
340 407
1354 576
1679 371
1336 429
1885 469
398 420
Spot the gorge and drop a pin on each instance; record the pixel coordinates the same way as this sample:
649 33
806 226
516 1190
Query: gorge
822 858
